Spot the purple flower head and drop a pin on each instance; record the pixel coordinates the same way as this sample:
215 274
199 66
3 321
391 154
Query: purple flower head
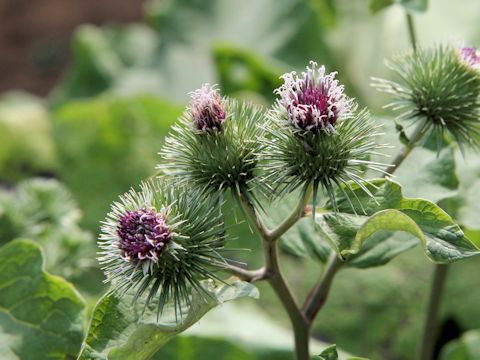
143 234
207 108
472 56
314 101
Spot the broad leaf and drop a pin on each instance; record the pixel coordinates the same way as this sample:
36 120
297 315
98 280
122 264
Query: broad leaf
411 5
331 353
466 347
389 210
429 174
107 144
164 58
415 5
118 330
41 315
44 210
385 220
302 239
26 137
236 331
378 5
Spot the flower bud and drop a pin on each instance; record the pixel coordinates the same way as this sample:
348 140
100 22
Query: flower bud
472 56
438 87
207 108
213 161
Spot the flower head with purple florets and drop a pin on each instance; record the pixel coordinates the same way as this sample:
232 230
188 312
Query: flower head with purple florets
471 56
207 108
164 241
315 138
314 101
143 234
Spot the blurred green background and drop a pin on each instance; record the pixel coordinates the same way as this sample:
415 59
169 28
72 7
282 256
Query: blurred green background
85 111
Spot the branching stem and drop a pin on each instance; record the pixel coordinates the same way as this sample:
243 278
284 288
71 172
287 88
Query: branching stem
301 326
272 272
294 216
318 295
247 275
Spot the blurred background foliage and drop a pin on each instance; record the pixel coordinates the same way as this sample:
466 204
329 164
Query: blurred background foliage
66 156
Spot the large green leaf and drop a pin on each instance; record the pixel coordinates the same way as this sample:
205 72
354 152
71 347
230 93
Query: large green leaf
301 239
179 42
41 315
411 5
429 174
236 330
108 144
44 210
434 178
465 348
389 210
26 137
331 353
118 330
378 5
415 5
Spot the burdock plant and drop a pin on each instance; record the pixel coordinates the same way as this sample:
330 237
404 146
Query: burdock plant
164 244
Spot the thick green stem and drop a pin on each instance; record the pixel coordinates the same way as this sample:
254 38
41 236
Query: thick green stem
429 333
301 327
272 272
318 295
294 216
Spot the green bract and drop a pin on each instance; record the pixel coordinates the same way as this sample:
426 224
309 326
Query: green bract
189 254
293 160
441 90
217 159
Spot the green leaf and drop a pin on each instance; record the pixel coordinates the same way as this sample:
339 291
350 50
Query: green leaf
415 5
429 174
300 240
44 210
330 353
41 315
242 72
118 330
26 137
411 5
377 5
248 333
442 239
164 56
94 134
385 220
465 348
